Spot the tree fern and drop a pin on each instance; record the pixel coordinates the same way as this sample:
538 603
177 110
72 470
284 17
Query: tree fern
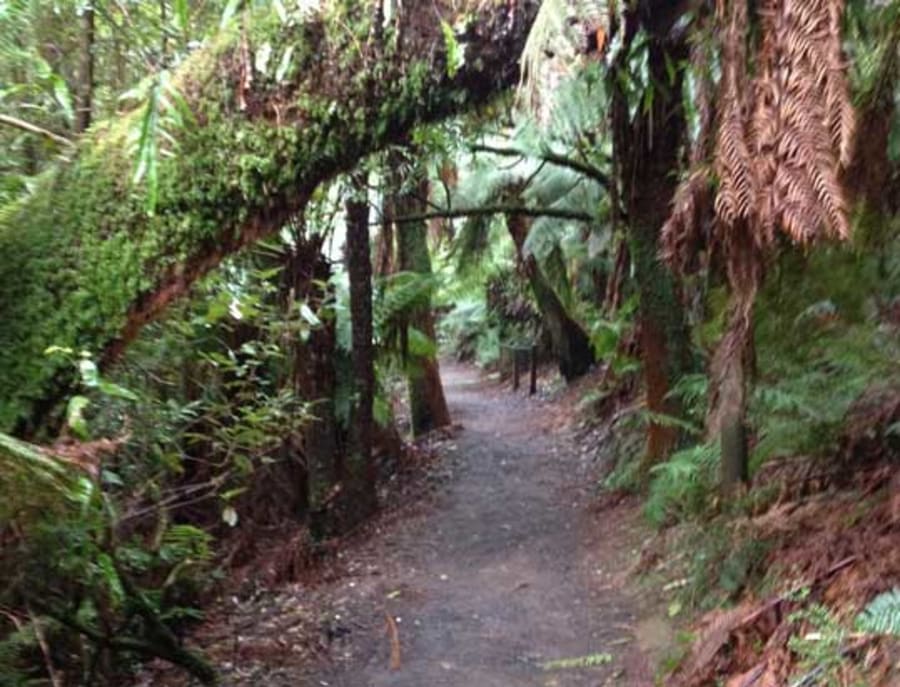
882 615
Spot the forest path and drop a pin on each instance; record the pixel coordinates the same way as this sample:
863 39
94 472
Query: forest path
508 579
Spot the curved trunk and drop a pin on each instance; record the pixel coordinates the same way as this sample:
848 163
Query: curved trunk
571 344
86 265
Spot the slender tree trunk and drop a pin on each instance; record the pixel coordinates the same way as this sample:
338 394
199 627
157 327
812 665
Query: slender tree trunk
732 365
647 154
571 344
730 374
359 498
164 34
384 244
428 407
315 380
85 90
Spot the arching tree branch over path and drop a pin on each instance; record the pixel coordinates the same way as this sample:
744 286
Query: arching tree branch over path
276 108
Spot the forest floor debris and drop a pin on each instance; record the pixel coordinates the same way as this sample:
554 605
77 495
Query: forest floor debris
830 547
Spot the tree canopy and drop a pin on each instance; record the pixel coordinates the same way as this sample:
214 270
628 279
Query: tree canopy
259 118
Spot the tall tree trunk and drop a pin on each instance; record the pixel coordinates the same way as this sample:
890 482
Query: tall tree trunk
359 499
428 407
315 380
571 344
85 90
647 152
732 365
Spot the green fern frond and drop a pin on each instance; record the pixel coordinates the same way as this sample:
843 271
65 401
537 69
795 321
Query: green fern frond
471 242
684 485
19 457
882 615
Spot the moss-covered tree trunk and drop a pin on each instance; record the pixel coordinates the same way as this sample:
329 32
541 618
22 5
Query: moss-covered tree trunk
359 495
647 156
85 264
428 407
570 343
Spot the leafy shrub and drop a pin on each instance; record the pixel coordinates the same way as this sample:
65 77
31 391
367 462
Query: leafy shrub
80 583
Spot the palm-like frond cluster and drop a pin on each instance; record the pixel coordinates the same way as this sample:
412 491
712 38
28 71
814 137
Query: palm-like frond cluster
783 135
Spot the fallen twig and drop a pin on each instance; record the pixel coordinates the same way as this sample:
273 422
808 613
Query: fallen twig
394 634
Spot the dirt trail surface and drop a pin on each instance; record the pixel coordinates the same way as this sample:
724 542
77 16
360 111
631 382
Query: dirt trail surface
508 580
494 570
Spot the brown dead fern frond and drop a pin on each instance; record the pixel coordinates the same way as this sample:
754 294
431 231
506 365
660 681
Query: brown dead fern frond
783 135
685 233
802 122
733 163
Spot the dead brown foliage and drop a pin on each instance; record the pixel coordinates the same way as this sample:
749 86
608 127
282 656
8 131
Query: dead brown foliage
783 136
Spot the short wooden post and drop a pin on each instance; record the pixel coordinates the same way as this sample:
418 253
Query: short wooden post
515 352
533 388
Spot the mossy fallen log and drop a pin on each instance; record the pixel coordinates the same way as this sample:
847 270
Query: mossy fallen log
276 108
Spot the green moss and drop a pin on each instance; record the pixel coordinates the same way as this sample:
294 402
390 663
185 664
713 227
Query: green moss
82 252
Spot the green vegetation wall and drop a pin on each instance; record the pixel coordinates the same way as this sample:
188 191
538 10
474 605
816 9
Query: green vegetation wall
248 128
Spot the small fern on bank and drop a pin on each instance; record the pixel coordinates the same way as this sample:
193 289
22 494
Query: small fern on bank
882 615
684 485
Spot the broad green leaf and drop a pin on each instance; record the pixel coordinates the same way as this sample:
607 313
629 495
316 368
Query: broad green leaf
420 344
182 15
90 376
62 350
285 64
232 493
75 415
110 477
230 10
309 316
147 148
280 10
63 97
116 391
108 571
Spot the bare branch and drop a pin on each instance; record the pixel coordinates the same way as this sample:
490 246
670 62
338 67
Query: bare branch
17 123
449 213
550 157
